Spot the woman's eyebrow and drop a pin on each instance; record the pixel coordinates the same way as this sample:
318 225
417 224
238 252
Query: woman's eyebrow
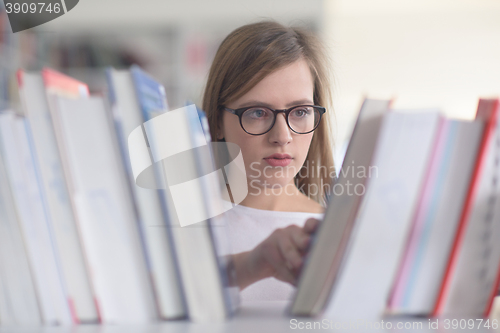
260 103
254 103
300 102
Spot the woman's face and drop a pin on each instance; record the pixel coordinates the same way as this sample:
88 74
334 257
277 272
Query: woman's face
286 87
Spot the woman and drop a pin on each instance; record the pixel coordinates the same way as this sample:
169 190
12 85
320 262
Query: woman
266 92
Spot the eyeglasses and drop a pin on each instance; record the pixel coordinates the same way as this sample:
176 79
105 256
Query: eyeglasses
258 120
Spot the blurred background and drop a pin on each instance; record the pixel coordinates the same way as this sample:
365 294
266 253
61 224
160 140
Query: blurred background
443 54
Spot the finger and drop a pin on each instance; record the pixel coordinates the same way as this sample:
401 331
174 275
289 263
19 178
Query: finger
286 275
311 225
278 262
290 253
300 239
275 259
283 273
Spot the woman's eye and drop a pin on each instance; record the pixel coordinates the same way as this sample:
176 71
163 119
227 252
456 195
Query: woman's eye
300 113
257 113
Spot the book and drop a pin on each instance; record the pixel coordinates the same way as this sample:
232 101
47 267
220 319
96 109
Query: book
436 218
159 131
188 204
472 276
105 212
377 241
154 220
18 300
152 102
36 229
54 186
322 264
219 175
150 93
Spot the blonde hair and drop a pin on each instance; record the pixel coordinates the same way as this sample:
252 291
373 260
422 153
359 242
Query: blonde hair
250 53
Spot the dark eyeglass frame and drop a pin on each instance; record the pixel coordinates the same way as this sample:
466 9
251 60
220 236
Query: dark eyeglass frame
239 112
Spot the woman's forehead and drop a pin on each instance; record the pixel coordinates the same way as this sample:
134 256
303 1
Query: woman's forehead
291 85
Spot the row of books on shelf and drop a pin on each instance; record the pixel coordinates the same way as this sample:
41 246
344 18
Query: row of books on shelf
79 241
411 226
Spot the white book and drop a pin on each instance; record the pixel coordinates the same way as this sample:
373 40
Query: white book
200 267
105 212
18 300
55 193
37 233
436 218
322 263
217 174
377 242
473 279
153 220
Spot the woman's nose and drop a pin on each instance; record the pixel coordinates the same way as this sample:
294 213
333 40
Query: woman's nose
280 134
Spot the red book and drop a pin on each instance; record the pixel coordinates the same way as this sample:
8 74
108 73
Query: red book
63 85
472 274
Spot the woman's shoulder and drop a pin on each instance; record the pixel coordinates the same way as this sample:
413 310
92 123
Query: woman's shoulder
302 203
312 206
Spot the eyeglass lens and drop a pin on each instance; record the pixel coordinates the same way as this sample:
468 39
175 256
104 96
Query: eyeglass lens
259 120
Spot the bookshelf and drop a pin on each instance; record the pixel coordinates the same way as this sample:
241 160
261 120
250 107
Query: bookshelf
262 317
179 57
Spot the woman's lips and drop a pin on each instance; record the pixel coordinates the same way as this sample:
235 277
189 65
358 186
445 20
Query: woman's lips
278 160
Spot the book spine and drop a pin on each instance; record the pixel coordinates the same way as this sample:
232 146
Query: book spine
121 140
469 201
399 288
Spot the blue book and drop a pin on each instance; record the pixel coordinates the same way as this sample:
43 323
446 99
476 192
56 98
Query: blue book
217 233
150 93
152 101
131 103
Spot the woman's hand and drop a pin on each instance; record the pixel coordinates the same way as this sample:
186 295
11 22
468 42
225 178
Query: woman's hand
281 255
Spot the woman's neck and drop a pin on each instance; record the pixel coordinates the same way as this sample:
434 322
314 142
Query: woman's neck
287 198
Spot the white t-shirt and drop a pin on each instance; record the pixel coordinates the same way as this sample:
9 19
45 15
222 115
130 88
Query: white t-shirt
246 228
